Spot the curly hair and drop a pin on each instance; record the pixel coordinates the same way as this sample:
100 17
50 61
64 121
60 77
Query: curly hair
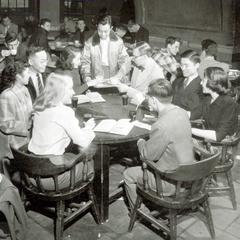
8 75
217 80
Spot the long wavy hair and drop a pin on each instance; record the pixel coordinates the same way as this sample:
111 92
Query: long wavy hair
8 75
53 92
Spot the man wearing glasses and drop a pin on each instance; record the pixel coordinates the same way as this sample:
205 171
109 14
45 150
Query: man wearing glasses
170 143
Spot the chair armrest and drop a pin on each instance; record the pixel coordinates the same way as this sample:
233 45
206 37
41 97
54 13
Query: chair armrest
75 159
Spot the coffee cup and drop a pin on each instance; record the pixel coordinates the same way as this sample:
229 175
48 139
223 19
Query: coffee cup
74 102
125 99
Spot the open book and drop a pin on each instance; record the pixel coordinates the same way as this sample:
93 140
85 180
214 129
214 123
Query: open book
90 97
121 127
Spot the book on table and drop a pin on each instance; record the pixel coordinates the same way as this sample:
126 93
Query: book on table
93 97
121 127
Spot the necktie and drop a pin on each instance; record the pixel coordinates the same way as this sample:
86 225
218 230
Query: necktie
40 86
185 83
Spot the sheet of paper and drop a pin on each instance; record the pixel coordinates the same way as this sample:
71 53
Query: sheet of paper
95 97
105 125
122 127
142 125
82 98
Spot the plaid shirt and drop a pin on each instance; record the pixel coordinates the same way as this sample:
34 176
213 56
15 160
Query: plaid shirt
166 61
15 111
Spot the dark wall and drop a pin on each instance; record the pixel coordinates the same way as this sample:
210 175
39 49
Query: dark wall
192 20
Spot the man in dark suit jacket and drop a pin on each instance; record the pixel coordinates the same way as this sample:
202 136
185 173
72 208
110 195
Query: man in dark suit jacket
40 36
188 92
37 60
137 32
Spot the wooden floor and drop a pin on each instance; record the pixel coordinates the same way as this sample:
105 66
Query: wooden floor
226 221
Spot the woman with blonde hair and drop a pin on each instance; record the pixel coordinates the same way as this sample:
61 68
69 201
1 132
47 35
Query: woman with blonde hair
55 125
218 110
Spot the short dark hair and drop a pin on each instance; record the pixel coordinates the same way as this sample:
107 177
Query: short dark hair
161 89
104 19
34 49
171 40
44 20
210 47
6 15
191 55
217 80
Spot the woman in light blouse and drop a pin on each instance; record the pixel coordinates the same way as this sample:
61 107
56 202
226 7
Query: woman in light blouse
55 125
15 110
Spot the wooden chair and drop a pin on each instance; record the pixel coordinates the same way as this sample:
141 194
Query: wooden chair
39 167
224 167
189 180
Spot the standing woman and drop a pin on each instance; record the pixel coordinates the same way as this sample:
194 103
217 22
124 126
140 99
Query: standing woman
218 110
55 127
15 110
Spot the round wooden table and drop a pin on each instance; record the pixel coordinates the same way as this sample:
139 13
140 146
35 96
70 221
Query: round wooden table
111 109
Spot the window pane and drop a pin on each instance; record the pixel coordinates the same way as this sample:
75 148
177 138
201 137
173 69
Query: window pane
12 3
4 3
20 3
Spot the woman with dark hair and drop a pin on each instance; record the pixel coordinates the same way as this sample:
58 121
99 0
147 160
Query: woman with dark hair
218 110
15 108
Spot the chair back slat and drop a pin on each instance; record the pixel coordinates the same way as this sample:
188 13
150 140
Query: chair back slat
39 183
195 171
191 178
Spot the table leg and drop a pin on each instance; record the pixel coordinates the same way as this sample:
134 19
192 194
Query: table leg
101 182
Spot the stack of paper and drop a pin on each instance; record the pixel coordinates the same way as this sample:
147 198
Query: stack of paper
93 97
121 127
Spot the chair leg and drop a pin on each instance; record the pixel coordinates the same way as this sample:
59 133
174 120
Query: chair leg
173 224
134 213
232 191
208 215
59 225
95 209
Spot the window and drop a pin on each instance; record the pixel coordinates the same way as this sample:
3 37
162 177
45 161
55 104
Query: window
6 5
73 8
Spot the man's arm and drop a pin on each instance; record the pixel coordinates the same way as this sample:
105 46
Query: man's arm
86 62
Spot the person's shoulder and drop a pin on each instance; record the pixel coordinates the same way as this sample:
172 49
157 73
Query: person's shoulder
7 94
227 99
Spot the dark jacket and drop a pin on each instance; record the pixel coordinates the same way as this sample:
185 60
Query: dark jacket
39 38
82 36
141 35
220 115
13 210
188 98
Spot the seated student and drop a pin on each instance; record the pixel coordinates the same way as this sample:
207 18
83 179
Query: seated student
170 143
166 58
7 26
137 32
218 110
13 50
69 62
40 36
188 90
208 57
82 32
55 126
15 109
144 71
